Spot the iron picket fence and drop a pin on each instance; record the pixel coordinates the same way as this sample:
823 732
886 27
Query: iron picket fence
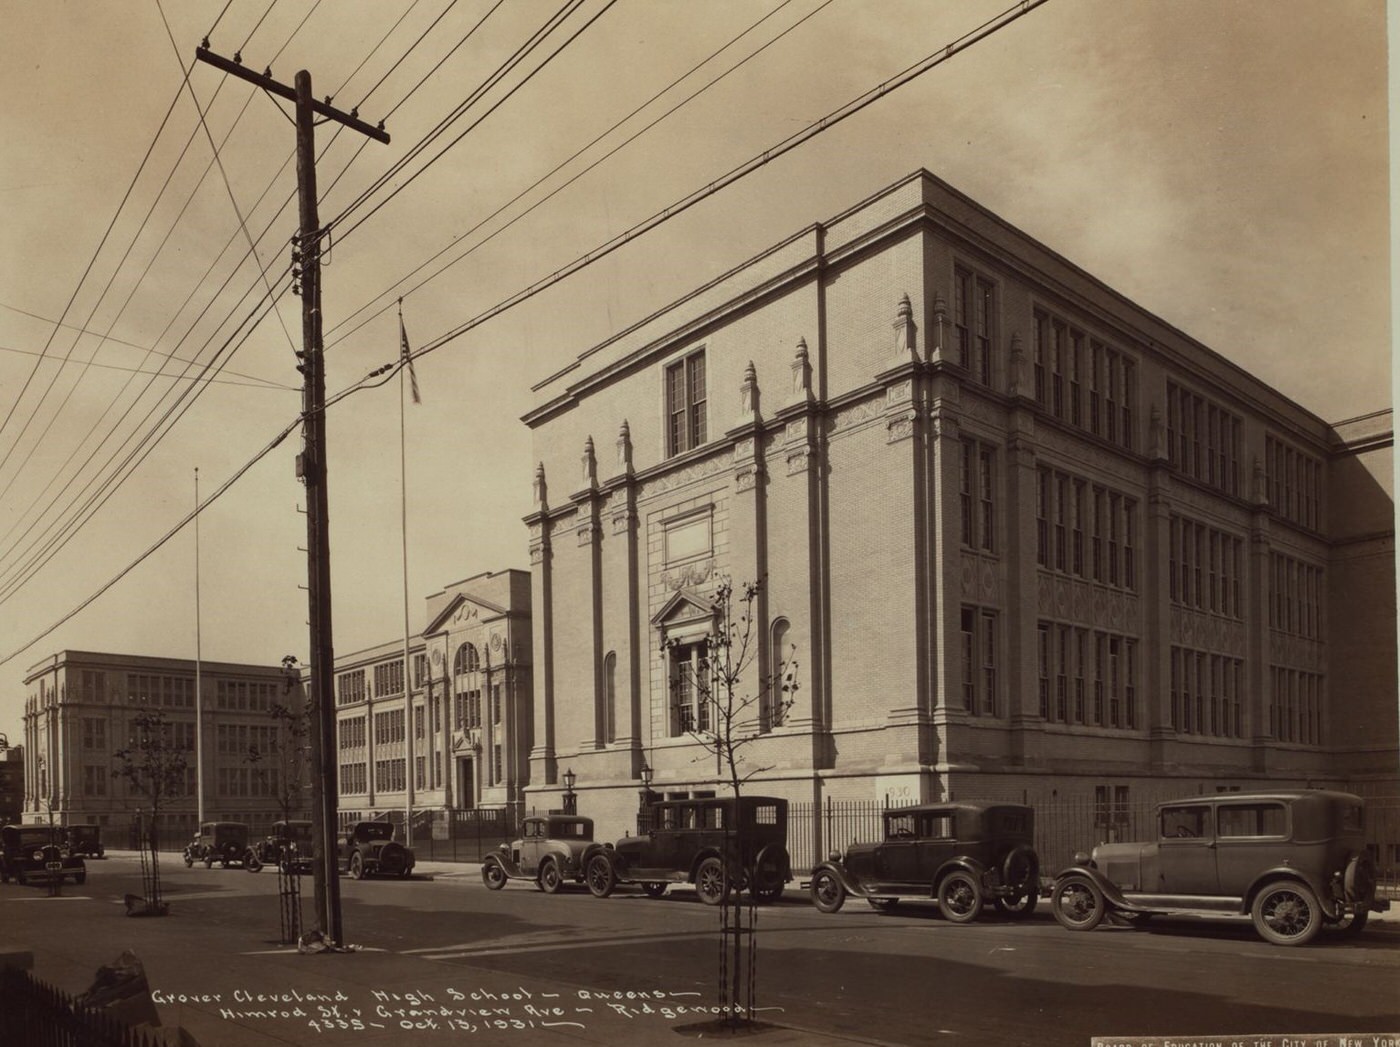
38 1015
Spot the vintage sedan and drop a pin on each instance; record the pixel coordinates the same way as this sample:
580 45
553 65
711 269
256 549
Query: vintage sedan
550 851
717 844
85 841
964 854
288 847
222 842
34 854
1294 861
369 849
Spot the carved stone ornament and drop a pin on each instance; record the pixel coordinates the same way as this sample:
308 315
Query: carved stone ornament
587 530
900 392
623 518
745 479
858 414
624 448
541 490
688 576
680 477
906 332
588 462
901 427
801 375
798 460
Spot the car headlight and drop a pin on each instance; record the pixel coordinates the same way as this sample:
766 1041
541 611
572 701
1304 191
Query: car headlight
1082 858
38 856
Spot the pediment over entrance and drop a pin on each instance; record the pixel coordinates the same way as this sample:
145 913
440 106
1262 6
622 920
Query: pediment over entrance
686 615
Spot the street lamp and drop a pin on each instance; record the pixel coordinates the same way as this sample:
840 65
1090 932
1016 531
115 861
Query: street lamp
643 799
570 800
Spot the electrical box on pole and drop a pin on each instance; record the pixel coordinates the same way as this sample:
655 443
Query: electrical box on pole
311 470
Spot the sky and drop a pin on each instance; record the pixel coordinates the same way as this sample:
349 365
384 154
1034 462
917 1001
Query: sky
1223 163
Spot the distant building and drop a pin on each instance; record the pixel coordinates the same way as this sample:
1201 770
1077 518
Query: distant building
79 711
1028 540
471 688
11 784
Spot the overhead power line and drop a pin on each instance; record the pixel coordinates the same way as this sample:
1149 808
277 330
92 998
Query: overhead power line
682 205
560 166
384 374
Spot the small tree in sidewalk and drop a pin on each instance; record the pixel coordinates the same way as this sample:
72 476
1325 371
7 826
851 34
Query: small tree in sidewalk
155 767
736 700
284 764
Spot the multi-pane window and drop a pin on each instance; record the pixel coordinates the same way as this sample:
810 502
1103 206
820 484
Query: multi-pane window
388 678
95 780
1064 357
1295 707
352 732
1206 693
685 403
1086 676
1294 483
1203 440
388 727
94 685
980 660
1295 597
390 775
1204 568
977 484
974 312
350 687
689 680
1063 502
94 733
353 778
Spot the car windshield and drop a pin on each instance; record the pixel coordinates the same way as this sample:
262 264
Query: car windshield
295 830
571 831
375 831
36 837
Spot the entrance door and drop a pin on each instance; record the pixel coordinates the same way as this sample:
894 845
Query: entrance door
466 780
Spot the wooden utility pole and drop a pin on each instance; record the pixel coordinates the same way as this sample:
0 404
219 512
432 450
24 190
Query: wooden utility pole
311 468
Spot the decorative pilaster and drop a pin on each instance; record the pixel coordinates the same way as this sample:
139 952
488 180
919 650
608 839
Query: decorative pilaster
1016 382
621 605
542 758
588 531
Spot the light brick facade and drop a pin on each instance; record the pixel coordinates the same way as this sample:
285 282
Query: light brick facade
1027 538
80 709
469 737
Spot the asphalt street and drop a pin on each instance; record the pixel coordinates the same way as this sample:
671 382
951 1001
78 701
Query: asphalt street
441 959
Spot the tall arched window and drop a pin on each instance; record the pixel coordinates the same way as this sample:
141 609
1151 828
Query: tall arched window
466 660
610 698
772 708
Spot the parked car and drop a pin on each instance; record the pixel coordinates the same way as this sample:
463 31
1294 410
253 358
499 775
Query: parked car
84 841
34 854
550 850
222 842
715 843
963 854
369 849
1294 861
289 847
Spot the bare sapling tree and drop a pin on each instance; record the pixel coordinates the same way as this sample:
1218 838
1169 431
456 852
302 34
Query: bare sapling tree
283 766
729 696
155 767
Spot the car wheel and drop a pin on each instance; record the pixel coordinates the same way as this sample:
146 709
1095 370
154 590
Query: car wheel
189 862
882 904
828 892
550 877
357 866
655 888
252 863
601 875
1286 913
493 875
710 881
959 898
1078 904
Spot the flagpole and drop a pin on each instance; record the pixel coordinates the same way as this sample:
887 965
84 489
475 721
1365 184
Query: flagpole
198 659
409 722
